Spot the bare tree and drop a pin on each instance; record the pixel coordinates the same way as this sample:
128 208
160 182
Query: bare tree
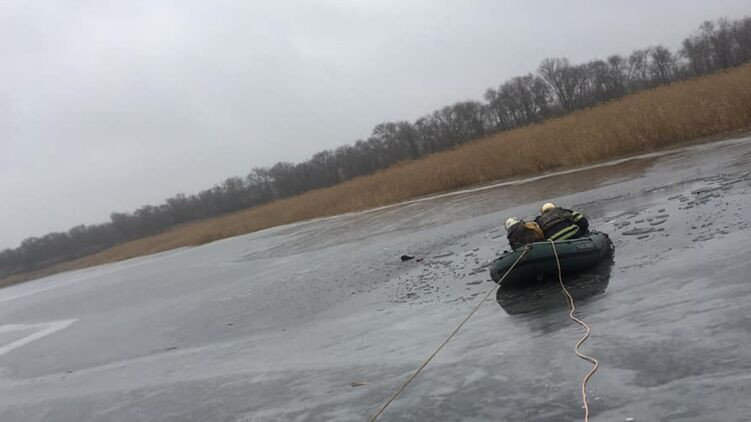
663 64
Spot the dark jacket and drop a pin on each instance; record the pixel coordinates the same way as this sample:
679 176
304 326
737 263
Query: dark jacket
561 224
523 233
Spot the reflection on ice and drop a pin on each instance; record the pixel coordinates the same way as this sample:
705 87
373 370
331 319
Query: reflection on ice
545 295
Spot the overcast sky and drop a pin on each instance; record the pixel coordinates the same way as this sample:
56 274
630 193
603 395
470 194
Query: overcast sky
109 105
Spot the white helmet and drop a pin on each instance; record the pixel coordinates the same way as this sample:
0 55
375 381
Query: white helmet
510 222
547 207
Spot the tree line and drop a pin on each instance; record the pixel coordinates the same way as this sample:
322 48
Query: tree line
556 88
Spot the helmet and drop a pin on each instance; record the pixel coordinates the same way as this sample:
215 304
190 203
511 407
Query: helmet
547 207
510 222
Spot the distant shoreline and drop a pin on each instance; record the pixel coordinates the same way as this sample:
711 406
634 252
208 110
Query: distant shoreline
704 109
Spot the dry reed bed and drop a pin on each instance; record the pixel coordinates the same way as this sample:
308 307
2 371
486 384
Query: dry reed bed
642 122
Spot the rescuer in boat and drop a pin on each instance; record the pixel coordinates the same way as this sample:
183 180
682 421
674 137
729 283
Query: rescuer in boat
520 232
560 223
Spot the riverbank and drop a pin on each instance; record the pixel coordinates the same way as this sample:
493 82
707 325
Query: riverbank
661 118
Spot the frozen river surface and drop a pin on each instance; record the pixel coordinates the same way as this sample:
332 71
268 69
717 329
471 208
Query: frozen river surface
322 321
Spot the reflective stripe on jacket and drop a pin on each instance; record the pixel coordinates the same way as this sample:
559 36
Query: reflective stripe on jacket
565 233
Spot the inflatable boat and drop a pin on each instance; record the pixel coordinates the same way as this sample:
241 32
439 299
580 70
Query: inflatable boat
575 255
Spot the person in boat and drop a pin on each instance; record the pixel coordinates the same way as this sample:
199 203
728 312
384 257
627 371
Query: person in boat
559 223
520 233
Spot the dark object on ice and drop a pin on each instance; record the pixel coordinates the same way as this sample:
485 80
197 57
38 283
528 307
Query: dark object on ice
575 255
407 257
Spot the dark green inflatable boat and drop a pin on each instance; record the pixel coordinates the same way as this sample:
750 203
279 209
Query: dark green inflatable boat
575 255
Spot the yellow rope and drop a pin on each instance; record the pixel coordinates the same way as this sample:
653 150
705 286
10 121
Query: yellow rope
450 336
571 315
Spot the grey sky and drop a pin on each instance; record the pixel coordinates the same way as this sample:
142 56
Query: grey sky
106 106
